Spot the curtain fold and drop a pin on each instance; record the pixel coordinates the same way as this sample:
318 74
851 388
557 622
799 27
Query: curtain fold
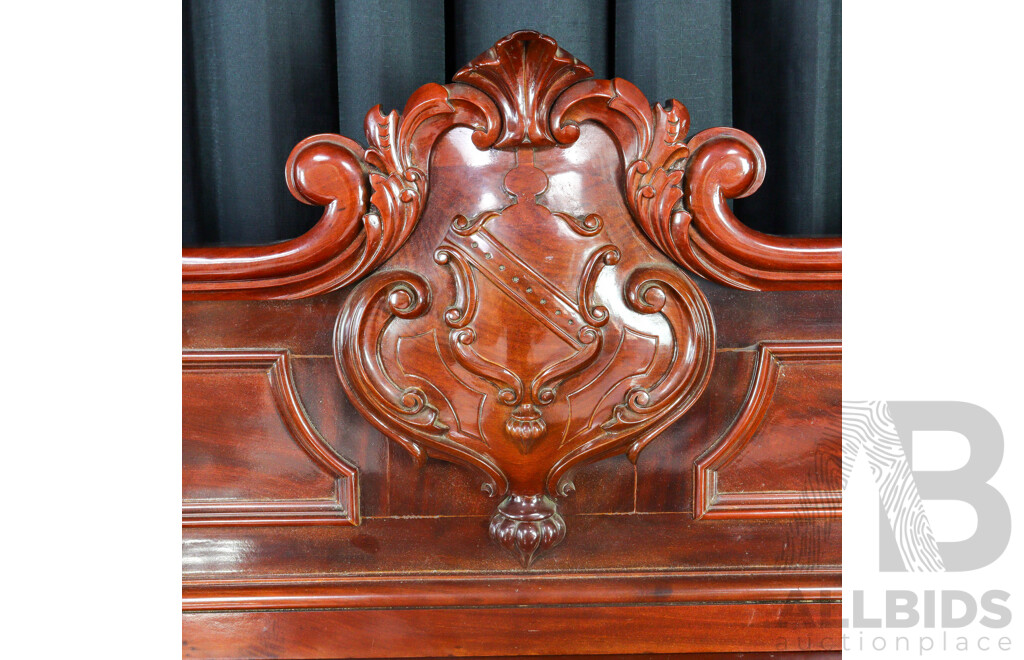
787 93
386 50
259 76
263 76
678 50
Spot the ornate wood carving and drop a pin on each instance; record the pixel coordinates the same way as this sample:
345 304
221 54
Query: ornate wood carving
677 190
559 344
523 91
524 73
511 247
360 229
815 499
522 338
263 370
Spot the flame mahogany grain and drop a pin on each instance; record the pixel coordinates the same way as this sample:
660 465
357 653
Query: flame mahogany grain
530 284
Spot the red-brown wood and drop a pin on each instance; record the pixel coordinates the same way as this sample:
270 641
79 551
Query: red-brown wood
250 456
524 91
764 427
475 632
489 342
496 283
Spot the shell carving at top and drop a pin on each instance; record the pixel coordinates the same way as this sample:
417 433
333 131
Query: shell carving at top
516 238
524 73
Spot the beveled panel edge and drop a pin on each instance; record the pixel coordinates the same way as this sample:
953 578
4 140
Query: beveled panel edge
707 501
343 509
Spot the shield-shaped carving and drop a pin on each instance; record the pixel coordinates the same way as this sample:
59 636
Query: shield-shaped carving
528 326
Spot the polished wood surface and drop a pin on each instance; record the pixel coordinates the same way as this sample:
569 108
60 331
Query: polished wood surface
250 456
524 631
525 91
730 479
500 340
528 387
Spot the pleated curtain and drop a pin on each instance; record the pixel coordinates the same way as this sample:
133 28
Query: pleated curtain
260 75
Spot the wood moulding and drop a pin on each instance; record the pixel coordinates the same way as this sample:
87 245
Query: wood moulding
275 368
820 586
708 500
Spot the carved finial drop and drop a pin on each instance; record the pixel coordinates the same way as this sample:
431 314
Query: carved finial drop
524 73
527 526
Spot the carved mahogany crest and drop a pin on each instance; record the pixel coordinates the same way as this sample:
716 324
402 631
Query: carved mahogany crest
525 338
524 344
515 239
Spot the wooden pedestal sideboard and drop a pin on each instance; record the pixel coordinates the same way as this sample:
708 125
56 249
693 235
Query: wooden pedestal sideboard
528 388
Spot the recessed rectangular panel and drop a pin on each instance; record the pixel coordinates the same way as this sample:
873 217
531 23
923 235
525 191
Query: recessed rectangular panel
782 457
249 454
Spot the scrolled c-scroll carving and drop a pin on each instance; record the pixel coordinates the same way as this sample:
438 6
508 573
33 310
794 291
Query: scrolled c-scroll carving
403 413
726 163
658 290
466 297
589 225
650 140
510 387
519 351
677 190
360 228
596 315
398 157
663 291
523 91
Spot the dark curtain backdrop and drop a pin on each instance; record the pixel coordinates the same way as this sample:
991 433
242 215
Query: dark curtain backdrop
258 76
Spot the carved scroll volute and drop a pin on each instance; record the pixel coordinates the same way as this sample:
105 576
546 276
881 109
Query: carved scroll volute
523 341
373 200
523 91
502 322
677 190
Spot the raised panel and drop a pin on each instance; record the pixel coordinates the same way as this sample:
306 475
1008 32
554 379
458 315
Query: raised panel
781 456
250 456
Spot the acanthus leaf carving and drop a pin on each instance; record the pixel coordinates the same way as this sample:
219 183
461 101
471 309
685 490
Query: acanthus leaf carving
373 199
677 190
523 91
